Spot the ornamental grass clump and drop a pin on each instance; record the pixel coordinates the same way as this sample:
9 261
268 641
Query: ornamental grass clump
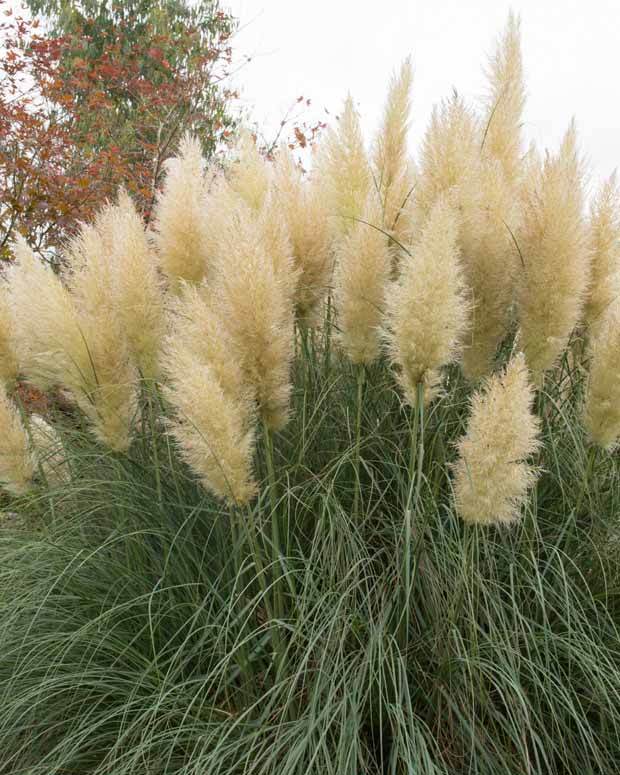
322 473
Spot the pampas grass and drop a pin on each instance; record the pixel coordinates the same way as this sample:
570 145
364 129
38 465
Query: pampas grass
269 520
307 220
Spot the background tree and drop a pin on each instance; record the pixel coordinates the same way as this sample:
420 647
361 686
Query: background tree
96 95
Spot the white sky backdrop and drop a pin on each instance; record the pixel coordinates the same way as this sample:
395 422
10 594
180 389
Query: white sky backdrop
325 48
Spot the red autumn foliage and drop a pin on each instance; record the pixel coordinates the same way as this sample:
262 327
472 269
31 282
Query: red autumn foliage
75 125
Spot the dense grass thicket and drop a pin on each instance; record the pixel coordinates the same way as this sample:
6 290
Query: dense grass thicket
332 485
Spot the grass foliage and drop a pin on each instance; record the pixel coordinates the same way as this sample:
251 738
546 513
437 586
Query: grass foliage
145 628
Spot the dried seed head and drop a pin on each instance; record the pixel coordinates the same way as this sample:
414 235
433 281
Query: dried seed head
553 239
426 309
506 100
604 236
344 171
180 223
17 464
602 402
492 475
362 272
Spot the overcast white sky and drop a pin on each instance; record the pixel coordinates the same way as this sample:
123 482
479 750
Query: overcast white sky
325 48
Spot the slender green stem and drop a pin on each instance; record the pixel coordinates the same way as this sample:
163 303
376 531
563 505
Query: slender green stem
149 401
328 334
238 580
273 495
361 374
416 459
276 548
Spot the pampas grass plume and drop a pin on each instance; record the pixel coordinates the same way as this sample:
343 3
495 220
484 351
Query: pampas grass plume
604 228
345 171
426 309
506 100
180 224
362 272
252 294
17 464
492 475
138 296
450 149
489 217
50 345
554 247
393 172
306 216
210 426
602 400
249 176
75 340
196 322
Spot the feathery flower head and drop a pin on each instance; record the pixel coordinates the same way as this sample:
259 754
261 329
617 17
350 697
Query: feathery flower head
554 279
17 464
49 344
602 401
362 272
393 171
107 391
197 323
75 341
305 213
252 293
344 170
249 177
604 228
210 426
492 475
490 216
451 148
137 293
180 225
505 102
426 309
